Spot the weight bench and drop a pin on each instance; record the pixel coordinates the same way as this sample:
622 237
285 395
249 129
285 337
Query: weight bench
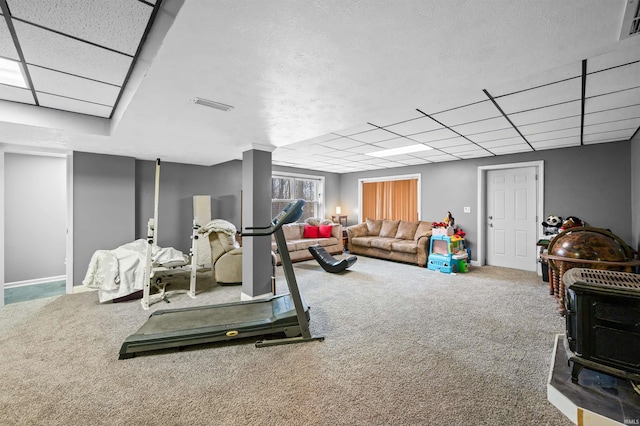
328 262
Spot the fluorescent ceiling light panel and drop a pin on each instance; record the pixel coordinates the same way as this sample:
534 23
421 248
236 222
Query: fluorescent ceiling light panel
11 73
402 150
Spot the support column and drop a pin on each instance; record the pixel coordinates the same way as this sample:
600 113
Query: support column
256 211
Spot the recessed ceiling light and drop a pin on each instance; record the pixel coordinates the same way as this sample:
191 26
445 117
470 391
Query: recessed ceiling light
11 73
402 150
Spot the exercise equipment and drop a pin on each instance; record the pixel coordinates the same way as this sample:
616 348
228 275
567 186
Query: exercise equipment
328 262
283 314
160 275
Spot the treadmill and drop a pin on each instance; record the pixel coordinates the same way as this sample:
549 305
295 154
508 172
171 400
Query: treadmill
284 314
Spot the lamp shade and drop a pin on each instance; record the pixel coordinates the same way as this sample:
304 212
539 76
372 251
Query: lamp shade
338 210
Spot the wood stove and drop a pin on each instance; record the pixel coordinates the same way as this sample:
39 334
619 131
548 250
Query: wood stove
603 322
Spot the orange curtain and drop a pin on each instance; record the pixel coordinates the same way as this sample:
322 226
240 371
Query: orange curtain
392 200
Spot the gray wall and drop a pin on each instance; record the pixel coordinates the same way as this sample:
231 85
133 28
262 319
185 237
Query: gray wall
103 206
35 216
331 187
635 191
592 182
178 184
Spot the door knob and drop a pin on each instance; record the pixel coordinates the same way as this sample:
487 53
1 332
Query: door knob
490 217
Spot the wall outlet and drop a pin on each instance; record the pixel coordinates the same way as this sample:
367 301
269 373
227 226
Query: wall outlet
467 209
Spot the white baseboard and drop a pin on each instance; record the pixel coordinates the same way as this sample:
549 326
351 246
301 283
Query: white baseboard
35 281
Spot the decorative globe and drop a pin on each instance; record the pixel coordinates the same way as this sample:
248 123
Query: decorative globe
589 244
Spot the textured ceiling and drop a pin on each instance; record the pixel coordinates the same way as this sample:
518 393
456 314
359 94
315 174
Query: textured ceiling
322 83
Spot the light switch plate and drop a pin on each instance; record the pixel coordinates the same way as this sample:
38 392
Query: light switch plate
467 209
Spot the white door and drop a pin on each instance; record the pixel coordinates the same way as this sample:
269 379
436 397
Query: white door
511 218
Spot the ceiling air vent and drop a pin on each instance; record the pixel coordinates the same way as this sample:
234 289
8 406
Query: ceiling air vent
212 104
631 20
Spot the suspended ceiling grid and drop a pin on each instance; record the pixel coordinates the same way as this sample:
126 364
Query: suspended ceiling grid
76 55
291 79
546 111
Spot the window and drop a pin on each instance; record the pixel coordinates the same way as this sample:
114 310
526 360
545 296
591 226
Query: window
392 198
287 187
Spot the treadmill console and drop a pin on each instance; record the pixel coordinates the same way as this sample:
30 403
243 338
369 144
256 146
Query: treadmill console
291 213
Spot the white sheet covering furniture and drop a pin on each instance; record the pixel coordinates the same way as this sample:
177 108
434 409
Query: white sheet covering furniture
120 272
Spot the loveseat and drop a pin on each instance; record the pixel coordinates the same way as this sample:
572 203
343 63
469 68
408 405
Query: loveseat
300 236
391 239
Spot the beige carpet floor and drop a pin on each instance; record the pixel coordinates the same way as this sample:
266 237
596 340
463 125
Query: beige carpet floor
404 346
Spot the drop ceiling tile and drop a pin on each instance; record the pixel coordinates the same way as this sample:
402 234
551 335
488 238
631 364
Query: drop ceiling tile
613 80
434 135
363 149
497 123
557 134
332 153
612 115
57 83
389 118
620 125
467 114
442 157
66 104
413 161
511 149
565 91
341 143
557 143
613 100
502 142
372 160
50 50
475 154
569 109
557 74
374 167
448 143
395 143
372 136
459 148
418 125
357 157
387 163
620 135
612 59
546 126
357 129
116 24
16 94
495 135
7 48
340 160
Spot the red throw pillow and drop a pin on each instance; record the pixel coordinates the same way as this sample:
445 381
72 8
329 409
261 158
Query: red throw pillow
310 231
325 231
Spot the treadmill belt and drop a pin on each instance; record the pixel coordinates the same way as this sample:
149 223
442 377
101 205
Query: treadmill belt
194 319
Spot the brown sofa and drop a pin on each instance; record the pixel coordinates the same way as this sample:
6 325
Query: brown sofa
298 245
394 240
